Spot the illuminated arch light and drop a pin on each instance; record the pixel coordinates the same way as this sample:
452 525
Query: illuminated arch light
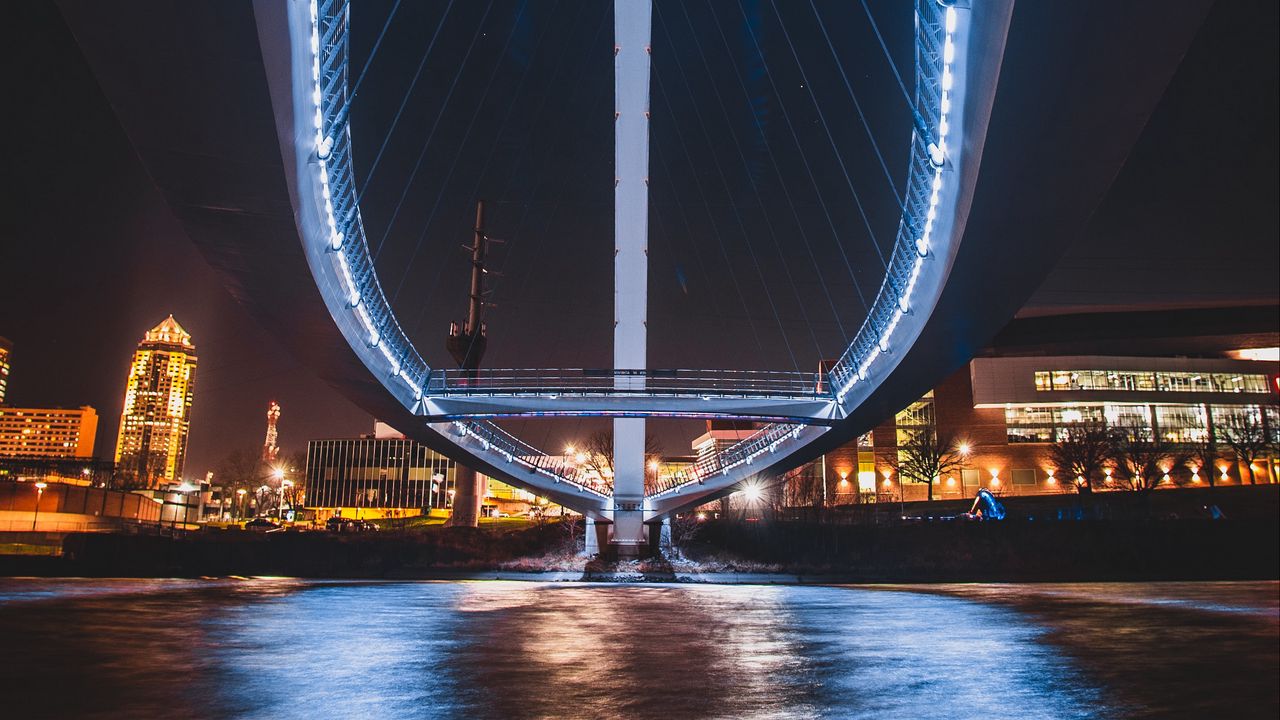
937 152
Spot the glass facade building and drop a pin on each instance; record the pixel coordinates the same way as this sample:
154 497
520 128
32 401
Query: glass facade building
376 474
1007 411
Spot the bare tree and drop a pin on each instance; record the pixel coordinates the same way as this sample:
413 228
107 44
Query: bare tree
1248 438
1080 453
1203 456
241 469
1143 457
599 456
925 456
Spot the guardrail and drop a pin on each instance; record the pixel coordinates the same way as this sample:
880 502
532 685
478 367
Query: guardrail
516 450
591 382
935 51
744 452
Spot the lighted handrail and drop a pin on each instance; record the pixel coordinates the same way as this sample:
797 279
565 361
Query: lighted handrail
588 381
348 241
928 154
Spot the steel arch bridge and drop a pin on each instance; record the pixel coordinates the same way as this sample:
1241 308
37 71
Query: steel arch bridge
797 408
1005 162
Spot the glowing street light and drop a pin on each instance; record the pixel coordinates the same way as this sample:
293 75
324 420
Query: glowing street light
40 486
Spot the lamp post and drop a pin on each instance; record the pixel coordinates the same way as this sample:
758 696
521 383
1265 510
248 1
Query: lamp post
40 486
964 449
240 493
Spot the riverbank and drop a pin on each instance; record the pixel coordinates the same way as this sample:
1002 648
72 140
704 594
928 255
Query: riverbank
719 552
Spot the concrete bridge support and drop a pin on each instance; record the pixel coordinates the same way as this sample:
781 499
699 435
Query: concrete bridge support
632 23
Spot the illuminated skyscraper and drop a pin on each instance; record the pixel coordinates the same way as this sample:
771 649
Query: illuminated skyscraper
156 419
5 348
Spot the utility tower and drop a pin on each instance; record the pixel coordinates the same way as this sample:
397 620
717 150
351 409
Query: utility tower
466 343
269 448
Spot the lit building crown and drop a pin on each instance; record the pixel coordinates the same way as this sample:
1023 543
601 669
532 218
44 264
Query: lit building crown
168 332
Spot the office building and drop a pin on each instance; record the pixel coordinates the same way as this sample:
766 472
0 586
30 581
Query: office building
50 433
1005 414
156 419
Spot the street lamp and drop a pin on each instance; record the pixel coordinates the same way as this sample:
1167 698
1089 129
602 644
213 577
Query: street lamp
280 508
40 486
240 493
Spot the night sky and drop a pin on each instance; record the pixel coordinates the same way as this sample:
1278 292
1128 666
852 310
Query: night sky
747 191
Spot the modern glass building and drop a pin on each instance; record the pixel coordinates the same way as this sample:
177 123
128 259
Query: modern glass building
156 419
1007 411
374 477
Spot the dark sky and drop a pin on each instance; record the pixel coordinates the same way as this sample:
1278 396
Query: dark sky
749 193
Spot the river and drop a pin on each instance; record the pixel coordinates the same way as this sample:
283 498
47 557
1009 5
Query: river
282 648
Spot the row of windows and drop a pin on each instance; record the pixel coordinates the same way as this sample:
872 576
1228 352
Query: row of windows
377 474
1156 381
1175 423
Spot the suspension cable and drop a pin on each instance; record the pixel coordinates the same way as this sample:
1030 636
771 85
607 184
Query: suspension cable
857 200
888 176
374 52
426 144
737 215
888 57
422 63
813 181
786 191
755 188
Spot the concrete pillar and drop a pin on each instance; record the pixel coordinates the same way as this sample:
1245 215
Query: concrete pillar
631 31
468 493
590 543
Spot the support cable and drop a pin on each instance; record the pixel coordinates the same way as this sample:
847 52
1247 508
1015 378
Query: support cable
426 144
461 146
729 191
773 162
871 137
835 149
403 101
888 57
374 52
813 181
715 229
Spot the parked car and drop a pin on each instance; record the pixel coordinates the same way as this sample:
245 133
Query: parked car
262 525
350 525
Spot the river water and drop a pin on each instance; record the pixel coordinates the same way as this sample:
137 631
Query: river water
280 648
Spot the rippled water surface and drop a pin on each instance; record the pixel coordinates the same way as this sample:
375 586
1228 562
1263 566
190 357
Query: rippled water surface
271 648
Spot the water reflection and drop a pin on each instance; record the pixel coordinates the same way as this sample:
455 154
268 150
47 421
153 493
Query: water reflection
285 648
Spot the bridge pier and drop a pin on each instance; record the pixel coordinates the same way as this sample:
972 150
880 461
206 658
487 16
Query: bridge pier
467 496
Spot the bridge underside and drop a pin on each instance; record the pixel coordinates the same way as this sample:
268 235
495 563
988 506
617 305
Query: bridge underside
190 85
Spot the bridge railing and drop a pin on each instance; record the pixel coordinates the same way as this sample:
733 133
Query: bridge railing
744 452
932 103
597 382
559 469
348 243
